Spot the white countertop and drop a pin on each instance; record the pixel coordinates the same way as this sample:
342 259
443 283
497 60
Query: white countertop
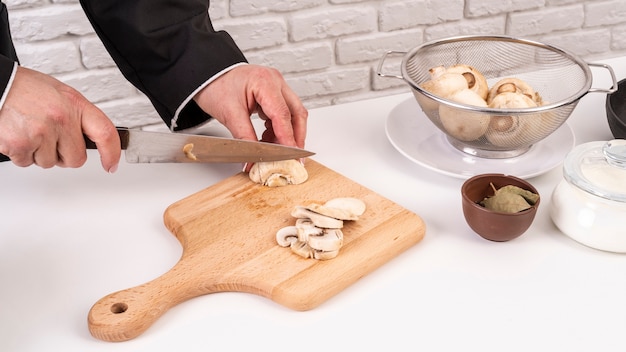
68 237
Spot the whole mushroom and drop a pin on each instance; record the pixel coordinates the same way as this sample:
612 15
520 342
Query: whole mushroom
442 85
464 125
513 130
514 85
476 81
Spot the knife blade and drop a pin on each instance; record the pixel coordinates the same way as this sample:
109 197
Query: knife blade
171 147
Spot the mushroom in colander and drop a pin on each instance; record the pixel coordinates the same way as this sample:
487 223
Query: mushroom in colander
445 82
462 124
476 81
513 130
445 85
514 85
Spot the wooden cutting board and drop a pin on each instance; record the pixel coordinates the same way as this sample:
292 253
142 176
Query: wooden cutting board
228 236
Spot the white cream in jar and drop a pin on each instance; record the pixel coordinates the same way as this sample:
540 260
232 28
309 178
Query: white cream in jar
589 204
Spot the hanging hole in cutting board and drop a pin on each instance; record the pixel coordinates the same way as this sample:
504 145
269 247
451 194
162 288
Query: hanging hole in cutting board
119 308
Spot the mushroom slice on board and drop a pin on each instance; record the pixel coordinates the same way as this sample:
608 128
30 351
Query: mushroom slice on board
354 205
318 220
307 228
278 173
286 236
324 255
340 208
328 240
302 249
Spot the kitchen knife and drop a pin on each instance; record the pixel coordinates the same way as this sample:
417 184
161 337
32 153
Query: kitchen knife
170 147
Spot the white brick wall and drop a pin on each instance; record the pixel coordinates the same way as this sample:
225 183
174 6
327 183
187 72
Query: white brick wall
328 50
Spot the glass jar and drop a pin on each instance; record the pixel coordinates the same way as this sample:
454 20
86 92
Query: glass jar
589 204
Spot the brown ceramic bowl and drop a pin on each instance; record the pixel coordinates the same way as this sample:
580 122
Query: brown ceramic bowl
489 224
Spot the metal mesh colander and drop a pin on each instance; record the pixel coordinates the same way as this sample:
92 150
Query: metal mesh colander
558 76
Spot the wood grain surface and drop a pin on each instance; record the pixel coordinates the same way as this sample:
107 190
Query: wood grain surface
227 232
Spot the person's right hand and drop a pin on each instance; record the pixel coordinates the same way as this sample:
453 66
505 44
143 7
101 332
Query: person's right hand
43 121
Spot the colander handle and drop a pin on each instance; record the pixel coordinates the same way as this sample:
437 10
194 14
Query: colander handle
613 89
382 61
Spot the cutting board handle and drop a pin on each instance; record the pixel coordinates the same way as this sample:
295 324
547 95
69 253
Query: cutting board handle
126 314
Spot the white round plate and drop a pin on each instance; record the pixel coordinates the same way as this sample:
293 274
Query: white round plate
417 138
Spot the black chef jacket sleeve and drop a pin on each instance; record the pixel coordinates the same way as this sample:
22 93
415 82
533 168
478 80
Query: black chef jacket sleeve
8 58
165 48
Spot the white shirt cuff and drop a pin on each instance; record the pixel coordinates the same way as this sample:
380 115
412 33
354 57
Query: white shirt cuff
9 84
193 94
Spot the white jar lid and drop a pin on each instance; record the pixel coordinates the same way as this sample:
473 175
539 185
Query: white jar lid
598 168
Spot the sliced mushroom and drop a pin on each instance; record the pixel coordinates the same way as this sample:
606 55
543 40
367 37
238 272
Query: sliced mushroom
340 208
354 205
513 130
305 228
328 240
278 173
302 249
461 124
319 220
317 235
286 236
324 255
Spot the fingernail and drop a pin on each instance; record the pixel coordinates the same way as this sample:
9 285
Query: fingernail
113 169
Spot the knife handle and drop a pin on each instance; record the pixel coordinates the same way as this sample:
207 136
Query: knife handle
89 144
124 138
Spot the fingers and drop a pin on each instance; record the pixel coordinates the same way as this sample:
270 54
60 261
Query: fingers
39 151
46 156
43 120
22 159
284 114
239 125
235 96
299 116
103 133
288 127
24 141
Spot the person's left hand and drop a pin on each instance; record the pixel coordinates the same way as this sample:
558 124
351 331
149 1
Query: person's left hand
248 89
